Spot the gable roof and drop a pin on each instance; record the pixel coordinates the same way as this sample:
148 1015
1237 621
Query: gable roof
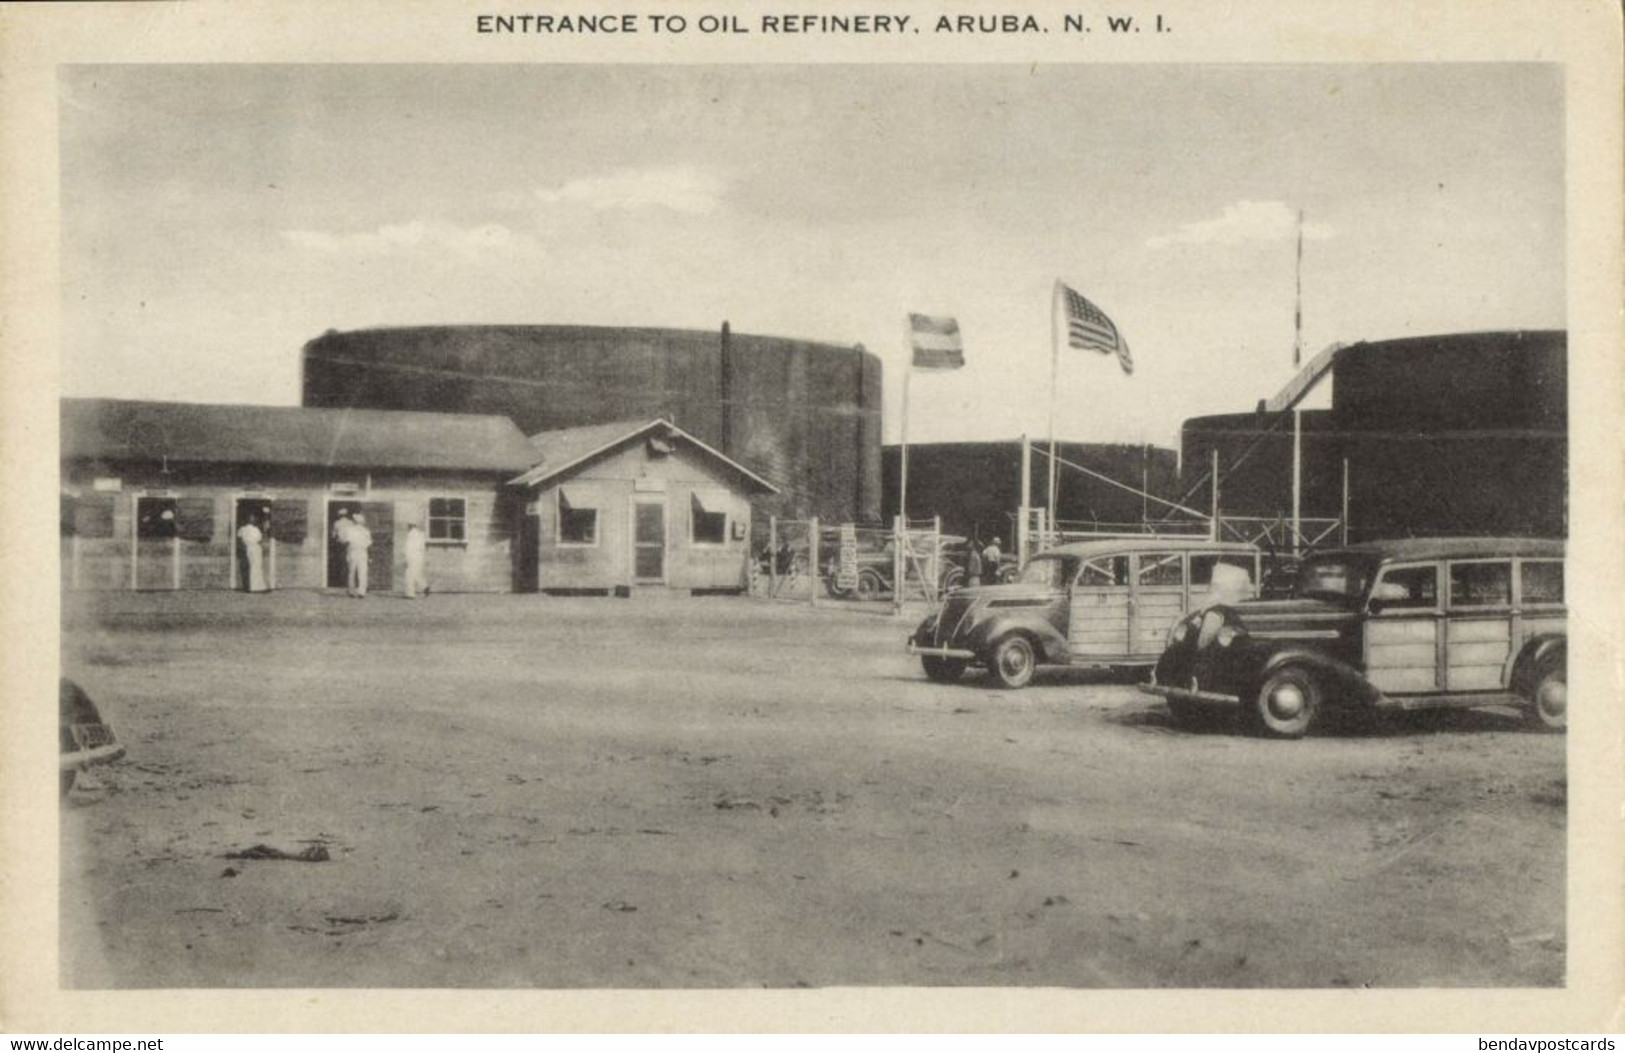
565 450
210 433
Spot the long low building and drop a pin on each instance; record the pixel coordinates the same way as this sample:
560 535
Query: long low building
153 493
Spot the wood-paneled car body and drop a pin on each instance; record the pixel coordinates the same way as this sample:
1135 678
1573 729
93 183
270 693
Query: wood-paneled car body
1106 603
1407 624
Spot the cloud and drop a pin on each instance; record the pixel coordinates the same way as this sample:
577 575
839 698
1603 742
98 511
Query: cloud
1241 222
679 189
416 235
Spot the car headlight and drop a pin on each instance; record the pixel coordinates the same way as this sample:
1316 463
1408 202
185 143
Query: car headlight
1228 635
1179 632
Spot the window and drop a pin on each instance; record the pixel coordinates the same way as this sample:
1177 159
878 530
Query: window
1542 581
709 519
577 525
1104 571
155 518
1163 568
448 519
1480 584
1408 588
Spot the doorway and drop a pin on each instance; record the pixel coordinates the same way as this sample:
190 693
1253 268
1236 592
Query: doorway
380 521
156 555
648 542
259 510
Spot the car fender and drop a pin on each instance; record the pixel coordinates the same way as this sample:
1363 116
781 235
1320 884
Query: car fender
1536 650
1032 623
1347 682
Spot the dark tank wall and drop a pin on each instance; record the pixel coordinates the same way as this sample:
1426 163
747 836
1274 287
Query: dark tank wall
1458 434
1255 459
806 416
976 486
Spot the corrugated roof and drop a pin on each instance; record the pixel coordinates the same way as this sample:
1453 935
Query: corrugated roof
562 450
209 433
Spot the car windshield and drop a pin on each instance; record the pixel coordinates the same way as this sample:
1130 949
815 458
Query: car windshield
1333 577
1046 570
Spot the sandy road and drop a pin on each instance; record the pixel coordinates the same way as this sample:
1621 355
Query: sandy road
520 791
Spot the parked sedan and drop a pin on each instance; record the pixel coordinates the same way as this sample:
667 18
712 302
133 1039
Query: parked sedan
1407 624
1106 603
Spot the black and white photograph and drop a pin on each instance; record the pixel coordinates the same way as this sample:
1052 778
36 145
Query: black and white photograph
612 517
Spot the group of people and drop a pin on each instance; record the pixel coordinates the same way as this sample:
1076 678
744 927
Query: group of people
350 531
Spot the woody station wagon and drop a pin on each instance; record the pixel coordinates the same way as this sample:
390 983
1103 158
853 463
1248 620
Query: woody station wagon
1408 624
1106 603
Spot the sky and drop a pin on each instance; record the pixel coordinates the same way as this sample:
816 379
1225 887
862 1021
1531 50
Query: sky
215 218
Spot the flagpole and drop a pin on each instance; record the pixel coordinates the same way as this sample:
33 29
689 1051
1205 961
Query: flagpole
1054 372
902 498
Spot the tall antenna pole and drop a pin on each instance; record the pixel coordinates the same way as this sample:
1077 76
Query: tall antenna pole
1297 301
1297 414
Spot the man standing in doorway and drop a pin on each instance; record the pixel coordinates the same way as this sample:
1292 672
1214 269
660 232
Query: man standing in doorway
357 540
251 538
417 556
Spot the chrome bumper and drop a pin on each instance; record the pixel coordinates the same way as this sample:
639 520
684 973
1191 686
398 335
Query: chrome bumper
81 759
1186 694
941 652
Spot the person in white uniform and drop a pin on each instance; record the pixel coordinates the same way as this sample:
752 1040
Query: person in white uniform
252 541
357 540
417 558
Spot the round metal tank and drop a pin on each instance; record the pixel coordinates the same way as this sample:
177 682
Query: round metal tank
806 416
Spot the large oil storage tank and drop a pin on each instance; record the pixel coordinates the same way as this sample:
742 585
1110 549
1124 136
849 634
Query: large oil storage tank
804 415
1455 434
975 487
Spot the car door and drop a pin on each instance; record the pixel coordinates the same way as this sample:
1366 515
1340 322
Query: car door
1402 641
1478 626
1158 600
1098 609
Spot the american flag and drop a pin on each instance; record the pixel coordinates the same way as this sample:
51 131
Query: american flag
1088 329
936 342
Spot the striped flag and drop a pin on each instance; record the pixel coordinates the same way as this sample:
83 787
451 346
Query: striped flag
1088 328
936 342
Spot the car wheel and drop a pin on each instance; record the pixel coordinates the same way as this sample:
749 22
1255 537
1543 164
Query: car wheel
942 669
1548 707
1287 704
870 585
1013 661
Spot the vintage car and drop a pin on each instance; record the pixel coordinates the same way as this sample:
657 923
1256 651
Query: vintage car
85 738
1106 603
1407 624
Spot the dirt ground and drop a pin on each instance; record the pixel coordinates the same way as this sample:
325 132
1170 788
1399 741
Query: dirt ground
521 791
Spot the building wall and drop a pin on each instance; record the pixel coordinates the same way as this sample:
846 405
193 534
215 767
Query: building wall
804 414
483 562
612 485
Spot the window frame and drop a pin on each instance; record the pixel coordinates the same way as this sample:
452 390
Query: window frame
698 497
559 540
429 520
1480 608
1522 600
1389 608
